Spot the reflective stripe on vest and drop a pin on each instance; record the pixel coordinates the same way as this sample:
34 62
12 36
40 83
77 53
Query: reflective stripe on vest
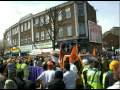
96 82
103 81
84 69
90 74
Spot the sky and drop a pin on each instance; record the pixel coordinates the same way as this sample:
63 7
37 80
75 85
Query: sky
11 12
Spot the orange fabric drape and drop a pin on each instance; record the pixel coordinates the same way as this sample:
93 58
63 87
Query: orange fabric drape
94 52
74 54
61 56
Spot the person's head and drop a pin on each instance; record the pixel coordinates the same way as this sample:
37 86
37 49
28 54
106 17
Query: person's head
44 65
93 62
10 84
85 62
67 66
106 65
115 68
50 65
59 75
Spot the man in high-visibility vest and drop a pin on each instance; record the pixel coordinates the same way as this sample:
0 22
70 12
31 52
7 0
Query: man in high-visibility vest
94 75
86 67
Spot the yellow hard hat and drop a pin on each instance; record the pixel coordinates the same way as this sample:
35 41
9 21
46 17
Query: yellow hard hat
114 65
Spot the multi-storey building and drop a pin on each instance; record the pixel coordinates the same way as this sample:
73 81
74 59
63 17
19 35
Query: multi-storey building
73 20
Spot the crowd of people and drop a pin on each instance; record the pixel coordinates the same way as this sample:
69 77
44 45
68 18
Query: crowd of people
87 73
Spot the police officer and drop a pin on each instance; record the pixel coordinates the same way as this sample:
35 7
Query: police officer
86 66
94 75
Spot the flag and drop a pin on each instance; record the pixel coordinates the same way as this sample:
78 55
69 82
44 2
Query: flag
61 55
94 52
74 54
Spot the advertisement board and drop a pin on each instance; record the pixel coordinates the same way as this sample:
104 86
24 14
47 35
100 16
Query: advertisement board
95 32
44 45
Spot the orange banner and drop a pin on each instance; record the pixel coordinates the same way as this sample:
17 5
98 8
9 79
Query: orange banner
94 51
74 54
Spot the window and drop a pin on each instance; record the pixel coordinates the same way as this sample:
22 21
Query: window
21 28
81 10
47 35
29 40
13 42
42 35
13 31
25 40
28 25
25 26
46 19
16 30
60 16
81 29
69 30
37 20
68 13
37 36
41 21
60 32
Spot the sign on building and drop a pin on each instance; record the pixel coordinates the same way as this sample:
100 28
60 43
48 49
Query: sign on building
95 32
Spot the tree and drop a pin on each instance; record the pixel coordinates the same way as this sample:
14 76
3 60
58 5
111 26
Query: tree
53 26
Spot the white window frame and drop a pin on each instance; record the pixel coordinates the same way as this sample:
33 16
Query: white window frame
42 35
42 21
69 30
60 32
47 35
29 25
68 13
60 15
21 27
36 20
25 26
47 19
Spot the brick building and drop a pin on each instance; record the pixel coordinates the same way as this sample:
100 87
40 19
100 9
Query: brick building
30 31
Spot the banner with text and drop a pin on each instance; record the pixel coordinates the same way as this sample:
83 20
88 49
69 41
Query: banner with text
95 32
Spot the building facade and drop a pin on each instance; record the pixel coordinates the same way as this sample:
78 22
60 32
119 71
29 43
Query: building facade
72 24
111 38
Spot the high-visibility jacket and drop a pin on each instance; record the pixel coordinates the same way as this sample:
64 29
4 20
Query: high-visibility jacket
85 69
18 66
103 80
25 69
93 78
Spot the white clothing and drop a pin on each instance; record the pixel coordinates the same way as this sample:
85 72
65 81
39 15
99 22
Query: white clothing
47 76
35 63
116 85
69 79
74 69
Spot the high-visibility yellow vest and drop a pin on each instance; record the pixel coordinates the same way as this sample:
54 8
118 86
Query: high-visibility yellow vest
96 84
18 66
84 69
103 80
